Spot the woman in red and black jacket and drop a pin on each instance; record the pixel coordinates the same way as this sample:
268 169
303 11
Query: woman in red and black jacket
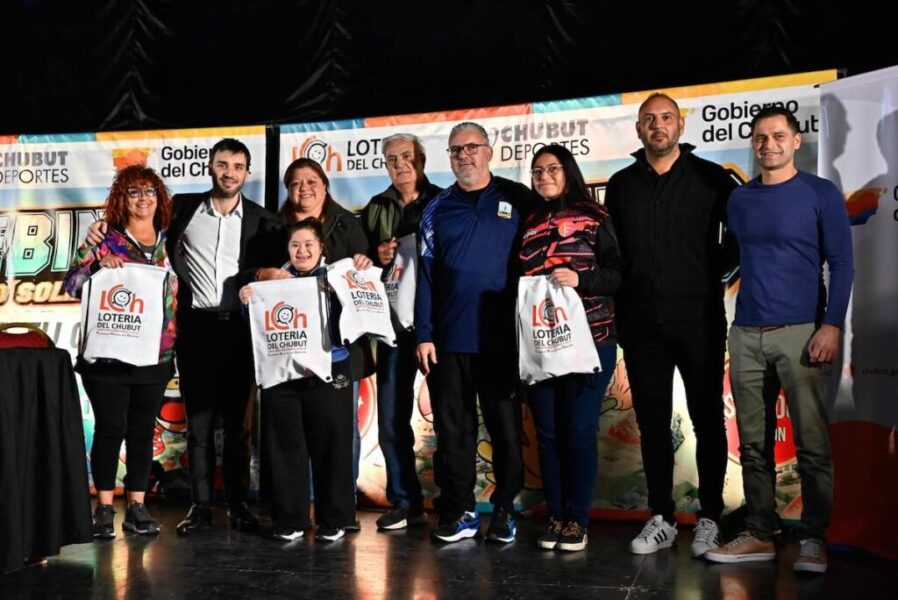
570 238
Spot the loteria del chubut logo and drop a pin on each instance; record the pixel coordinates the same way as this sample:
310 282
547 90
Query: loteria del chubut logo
285 328
120 309
391 285
550 328
363 293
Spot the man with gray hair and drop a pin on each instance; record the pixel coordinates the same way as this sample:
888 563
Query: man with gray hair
392 214
465 330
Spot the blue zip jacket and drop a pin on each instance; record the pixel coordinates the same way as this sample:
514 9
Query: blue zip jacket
468 271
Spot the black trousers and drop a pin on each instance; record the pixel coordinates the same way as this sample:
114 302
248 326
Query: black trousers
123 412
696 349
215 365
302 420
455 383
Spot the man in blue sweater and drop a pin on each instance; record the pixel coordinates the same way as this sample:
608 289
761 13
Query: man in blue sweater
465 333
786 331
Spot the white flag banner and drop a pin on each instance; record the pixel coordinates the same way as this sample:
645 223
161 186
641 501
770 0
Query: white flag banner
553 334
122 314
859 127
400 281
288 321
364 301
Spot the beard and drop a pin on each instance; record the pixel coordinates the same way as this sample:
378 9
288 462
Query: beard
220 192
469 178
662 145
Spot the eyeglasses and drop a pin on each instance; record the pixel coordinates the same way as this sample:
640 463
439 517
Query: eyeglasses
135 193
455 151
551 170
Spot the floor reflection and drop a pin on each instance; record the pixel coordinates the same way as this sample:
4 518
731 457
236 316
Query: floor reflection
223 564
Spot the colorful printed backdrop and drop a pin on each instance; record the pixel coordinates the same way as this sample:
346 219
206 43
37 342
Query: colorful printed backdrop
51 189
600 132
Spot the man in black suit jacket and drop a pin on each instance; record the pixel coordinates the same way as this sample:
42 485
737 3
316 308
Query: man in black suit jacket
217 240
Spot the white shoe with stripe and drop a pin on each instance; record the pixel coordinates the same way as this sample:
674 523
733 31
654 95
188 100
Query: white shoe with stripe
656 535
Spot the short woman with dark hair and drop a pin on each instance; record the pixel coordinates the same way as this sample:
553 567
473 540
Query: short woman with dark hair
309 196
307 419
570 238
126 399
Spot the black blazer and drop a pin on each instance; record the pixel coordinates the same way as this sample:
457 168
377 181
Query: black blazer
257 230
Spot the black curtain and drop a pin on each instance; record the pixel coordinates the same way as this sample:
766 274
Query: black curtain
87 66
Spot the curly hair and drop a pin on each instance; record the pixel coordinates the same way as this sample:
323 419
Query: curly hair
136 176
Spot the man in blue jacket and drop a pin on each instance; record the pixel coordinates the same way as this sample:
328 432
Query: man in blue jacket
786 332
465 333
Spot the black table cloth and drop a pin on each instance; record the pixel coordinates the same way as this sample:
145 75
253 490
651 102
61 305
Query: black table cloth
44 499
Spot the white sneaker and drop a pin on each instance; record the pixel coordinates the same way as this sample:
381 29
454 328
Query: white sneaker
656 535
704 537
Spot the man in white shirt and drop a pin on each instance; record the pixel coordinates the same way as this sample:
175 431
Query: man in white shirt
217 241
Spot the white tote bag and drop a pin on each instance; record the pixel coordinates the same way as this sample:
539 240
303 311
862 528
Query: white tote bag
122 314
400 281
364 301
288 321
553 334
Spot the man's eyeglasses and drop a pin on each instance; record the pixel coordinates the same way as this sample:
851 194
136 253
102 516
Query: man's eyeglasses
551 170
469 149
135 193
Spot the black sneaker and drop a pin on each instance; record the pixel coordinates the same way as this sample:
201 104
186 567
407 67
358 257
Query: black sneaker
138 520
400 518
103 527
467 525
287 534
329 534
573 537
549 539
353 527
503 527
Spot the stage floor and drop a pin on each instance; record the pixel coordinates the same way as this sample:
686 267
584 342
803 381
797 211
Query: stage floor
225 564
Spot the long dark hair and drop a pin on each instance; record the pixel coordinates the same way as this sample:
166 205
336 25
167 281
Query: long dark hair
574 186
286 211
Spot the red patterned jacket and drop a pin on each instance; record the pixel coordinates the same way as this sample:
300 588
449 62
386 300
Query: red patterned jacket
580 237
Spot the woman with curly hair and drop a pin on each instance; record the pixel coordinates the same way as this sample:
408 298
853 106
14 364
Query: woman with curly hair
126 398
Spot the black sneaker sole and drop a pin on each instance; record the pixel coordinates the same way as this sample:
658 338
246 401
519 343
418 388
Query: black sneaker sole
131 528
104 535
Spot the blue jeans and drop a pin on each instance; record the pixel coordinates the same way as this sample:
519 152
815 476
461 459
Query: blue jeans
566 412
396 369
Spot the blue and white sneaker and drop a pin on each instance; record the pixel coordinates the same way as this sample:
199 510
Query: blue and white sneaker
503 527
465 526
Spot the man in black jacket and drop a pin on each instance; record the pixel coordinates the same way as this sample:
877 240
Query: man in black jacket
669 209
390 215
216 241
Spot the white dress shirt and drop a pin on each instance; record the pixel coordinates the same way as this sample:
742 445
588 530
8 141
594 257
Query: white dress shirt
209 253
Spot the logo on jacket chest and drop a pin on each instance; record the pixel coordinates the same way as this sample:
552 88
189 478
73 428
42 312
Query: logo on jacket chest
504 211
